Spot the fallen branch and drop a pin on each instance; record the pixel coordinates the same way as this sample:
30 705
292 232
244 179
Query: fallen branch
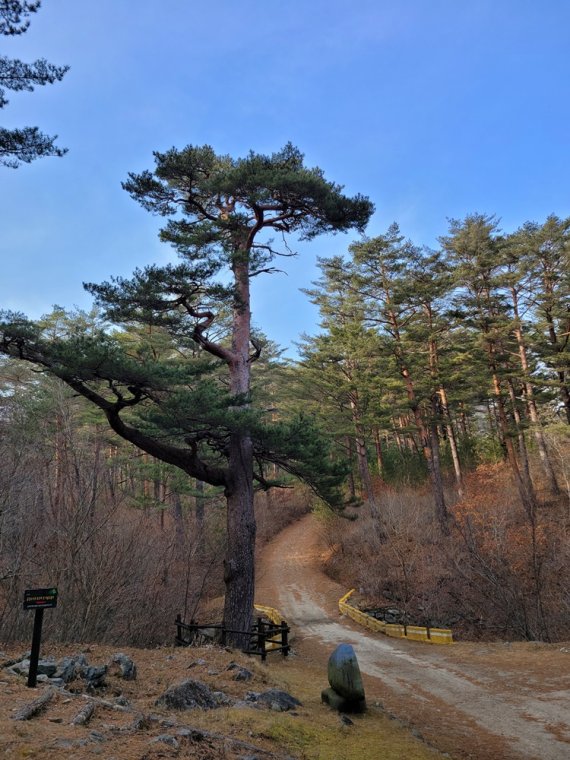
33 708
84 715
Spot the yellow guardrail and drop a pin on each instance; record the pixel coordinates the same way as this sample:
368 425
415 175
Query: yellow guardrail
395 630
271 614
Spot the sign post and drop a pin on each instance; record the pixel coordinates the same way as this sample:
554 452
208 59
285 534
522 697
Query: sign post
38 599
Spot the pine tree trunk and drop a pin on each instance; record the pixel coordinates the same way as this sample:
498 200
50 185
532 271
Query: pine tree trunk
239 564
441 510
452 441
351 483
557 347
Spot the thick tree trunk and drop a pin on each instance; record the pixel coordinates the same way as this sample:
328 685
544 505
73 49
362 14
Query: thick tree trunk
239 564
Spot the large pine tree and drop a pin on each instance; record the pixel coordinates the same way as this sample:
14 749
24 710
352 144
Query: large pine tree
221 213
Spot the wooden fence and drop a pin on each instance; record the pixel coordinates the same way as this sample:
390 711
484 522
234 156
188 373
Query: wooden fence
264 637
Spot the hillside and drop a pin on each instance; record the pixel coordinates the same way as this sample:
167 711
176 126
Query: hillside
127 724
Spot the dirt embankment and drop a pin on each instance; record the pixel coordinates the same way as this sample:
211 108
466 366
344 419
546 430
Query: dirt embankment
495 701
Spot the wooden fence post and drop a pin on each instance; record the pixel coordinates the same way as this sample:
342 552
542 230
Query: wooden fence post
261 638
285 638
178 630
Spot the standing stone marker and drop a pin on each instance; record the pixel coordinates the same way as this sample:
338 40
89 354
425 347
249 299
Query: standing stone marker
346 692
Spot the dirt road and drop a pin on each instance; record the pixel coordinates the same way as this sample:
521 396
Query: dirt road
494 701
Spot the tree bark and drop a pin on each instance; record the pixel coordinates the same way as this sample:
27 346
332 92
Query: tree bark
239 564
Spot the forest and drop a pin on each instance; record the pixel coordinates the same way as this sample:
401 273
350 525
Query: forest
427 423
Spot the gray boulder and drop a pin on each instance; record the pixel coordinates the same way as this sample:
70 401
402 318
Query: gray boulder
69 667
344 673
127 668
47 667
274 699
188 695
241 674
95 676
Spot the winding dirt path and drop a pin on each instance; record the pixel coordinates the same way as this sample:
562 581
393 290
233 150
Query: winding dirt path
494 701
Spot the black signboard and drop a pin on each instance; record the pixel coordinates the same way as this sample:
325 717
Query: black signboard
40 598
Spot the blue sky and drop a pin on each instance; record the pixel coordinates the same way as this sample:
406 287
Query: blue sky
432 108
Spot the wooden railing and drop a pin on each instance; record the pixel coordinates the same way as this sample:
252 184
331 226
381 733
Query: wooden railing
264 637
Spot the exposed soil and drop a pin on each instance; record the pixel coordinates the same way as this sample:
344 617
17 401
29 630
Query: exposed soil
497 701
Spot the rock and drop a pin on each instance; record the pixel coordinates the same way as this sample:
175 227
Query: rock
344 673
69 667
139 723
188 695
127 668
193 734
95 676
222 699
345 720
47 667
22 668
172 741
341 704
274 699
58 682
199 661
243 674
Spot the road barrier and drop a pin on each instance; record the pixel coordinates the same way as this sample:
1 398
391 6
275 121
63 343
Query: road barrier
270 613
395 630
